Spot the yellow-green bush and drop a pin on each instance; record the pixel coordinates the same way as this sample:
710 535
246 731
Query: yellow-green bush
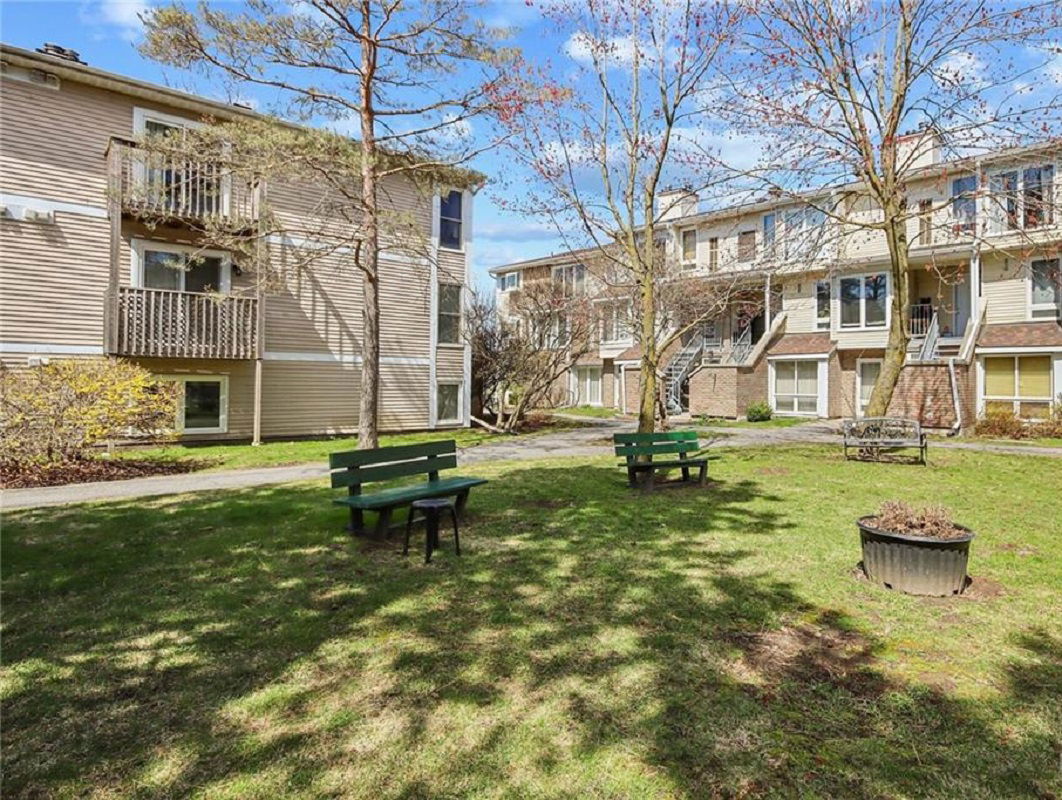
54 413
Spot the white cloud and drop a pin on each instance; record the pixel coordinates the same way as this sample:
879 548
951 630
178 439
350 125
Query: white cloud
959 68
121 15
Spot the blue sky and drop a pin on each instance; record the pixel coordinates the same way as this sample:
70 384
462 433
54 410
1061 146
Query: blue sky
105 33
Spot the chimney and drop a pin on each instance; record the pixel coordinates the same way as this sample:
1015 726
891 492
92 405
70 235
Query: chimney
918 148
676 203
58 51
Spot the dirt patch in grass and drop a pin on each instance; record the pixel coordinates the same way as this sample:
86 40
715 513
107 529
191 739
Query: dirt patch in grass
983 589
1018 549
94 469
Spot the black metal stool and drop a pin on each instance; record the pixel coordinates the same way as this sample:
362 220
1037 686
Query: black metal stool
431 509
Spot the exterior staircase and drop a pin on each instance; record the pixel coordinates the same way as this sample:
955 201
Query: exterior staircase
677 370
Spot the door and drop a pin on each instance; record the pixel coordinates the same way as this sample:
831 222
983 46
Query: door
588 386
866 376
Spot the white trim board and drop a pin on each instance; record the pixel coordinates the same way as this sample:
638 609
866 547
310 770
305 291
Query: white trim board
333 358
43 204
44 348
1017 351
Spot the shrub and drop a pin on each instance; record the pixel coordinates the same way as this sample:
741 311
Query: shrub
54 413
758 412
1007 425
932 521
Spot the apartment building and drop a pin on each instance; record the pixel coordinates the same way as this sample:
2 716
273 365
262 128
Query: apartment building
86 268
984 297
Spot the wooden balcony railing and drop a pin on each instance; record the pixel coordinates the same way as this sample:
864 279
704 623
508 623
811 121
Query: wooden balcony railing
162 185
168 324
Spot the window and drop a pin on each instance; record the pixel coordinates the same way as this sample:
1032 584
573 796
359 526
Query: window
689 248
822 305
864 300
202 403
172 183
450 220
768 232
1045 299
710 333
866 376
448 402
449 323
804 228
615 324
509 281
587 386
570 280
746 245
713 253
1021 199
180 269
925 222
964 203
1019 385
796 387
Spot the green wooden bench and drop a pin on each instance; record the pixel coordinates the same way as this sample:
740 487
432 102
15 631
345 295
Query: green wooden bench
355 468
641 452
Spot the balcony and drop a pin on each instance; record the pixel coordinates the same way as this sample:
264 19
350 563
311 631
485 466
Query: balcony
162 186
160 323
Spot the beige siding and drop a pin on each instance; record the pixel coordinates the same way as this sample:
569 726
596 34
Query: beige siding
1005 290
302 398
241 389
450 363
403 396
53 279
798 302
405 309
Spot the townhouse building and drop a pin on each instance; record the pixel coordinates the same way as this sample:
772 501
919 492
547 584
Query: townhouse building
86 267
984 297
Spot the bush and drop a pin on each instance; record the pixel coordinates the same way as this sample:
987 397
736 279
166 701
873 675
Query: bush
758 412
1007 425
932 521
54 413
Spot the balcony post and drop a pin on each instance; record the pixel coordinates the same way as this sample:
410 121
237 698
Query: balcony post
114 212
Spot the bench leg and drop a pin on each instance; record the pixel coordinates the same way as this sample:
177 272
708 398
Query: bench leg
703 477
357 522
632 477
409 530
685 474
457 538
462 501
383 524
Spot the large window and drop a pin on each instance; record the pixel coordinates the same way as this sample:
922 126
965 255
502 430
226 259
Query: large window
449 324
180 269
173 183
925 222
746 246
867 373
203 402
1018 384
448 402
864 301
587 386
796 387
615 321
689 248
571 280
822 305
713 253
768 232
804 232
1046 292
964 203
450 210
1021 199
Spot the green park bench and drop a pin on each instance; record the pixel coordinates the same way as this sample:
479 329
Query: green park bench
355 468
642 452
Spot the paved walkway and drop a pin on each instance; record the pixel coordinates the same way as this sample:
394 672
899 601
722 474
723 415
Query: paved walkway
594 439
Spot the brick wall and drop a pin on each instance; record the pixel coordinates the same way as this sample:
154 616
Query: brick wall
714 391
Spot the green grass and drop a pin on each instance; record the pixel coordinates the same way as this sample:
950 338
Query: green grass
280 453
773 422
598 412
590 642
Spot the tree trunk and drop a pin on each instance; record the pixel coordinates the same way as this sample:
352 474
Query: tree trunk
647 399
368 435
899 325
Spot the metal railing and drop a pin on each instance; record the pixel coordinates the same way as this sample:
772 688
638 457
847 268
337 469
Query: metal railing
678 369
170 324
739 351
928 350
165 185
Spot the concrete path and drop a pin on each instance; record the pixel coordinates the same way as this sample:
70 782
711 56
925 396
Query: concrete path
594 439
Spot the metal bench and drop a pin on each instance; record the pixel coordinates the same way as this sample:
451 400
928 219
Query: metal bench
640 451
355 468
872 436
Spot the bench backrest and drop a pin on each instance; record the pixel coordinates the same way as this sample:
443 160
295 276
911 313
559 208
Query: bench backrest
353 468
883 428
633 445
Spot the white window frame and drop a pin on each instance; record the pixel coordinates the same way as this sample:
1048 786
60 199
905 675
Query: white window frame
983 399
716 337
822 378
713 253
578 390
571 278
797 231
459 419
620 313
509 281
1034 307
996 216
859 381
223 417
136 263
439 313
463 238
816 319
839 326
688 263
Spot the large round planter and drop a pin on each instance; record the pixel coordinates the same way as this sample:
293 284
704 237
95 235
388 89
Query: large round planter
914 564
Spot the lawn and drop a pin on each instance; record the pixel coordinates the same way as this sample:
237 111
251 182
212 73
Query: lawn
590 642
598 412
773 422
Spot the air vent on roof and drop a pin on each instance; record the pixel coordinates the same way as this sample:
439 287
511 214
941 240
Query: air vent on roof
65 53
38 76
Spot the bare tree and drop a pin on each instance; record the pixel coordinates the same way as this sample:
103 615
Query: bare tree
409 79
603 145
828 88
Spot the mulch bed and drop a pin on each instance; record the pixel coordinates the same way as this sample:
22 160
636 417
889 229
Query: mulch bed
93 469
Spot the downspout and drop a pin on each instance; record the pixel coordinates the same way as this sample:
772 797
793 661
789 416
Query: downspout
957 425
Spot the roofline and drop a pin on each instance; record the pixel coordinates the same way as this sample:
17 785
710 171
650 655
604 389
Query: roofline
102 79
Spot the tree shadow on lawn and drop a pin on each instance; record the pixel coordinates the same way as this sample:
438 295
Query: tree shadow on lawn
591 639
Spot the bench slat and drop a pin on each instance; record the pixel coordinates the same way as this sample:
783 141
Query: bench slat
384 455
659 436
684 462
655 449
403 495
399 469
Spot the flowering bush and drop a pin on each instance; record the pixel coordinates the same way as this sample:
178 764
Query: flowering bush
54 413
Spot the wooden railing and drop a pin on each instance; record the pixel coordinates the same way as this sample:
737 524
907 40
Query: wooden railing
168 324
165 186
921 314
